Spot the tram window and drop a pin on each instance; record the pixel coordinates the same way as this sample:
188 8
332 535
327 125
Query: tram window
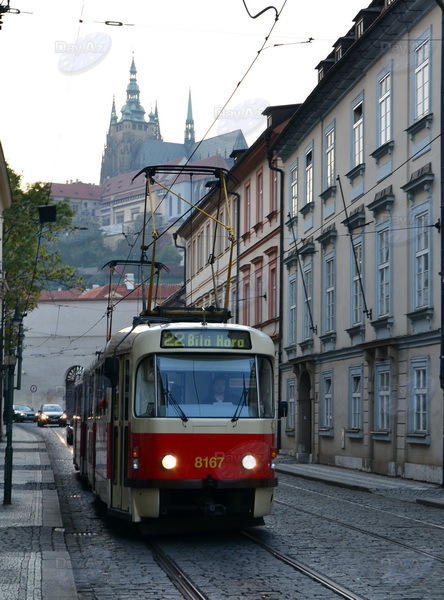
266 403
144 405
193 375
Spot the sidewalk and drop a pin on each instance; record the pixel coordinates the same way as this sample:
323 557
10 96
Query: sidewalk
405 489
34 561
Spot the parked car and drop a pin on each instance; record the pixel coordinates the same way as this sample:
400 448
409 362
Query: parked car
51 414
23 413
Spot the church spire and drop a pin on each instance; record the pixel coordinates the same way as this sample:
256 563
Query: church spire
132 110
189 123
113 119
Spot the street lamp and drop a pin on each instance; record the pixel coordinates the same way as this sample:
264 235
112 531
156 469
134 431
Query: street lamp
9 367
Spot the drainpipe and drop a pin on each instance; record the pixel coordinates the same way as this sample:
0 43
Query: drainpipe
440 3
236 308
281 278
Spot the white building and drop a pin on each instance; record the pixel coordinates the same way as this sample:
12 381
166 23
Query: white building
67 330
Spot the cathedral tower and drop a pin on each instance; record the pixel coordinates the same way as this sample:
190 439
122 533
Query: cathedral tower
125 136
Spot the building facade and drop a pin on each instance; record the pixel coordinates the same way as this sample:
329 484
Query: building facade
341 263
362 293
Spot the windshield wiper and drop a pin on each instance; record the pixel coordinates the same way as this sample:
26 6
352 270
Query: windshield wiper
169 396
242 402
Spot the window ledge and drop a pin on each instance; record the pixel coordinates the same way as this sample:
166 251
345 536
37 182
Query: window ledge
423 123
292 220
356 330
356 172
330 192
306 346
421 314
309 207
418 438
382 322
383 150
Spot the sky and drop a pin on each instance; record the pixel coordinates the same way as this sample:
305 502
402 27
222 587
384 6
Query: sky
64 61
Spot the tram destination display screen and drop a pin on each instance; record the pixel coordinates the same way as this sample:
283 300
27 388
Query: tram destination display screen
212 338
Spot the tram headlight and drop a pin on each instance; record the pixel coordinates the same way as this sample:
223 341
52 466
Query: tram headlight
169 461
249 462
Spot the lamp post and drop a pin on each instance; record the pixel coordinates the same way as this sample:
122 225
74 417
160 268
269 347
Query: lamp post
9 366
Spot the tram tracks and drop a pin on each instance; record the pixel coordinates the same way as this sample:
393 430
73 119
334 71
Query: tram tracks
364 531
333 586
184 583
177 575
373 534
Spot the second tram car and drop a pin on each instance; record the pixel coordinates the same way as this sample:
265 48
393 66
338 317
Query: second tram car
156 446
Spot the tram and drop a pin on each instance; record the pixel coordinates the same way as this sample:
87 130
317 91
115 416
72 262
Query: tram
154 445
175 419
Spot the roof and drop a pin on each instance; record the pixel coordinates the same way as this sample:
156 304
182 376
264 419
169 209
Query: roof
161 293
76 189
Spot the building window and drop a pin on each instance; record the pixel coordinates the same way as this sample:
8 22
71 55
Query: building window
309 176
359 28
355 419
358 134
382 397
272 301
246 301
259 197
247 208
330 157
326 408
356 270
422 260
329 294
383 284
419 409
422 84
274 189
292 299
308 279
258 297
384 109
294 191
291 395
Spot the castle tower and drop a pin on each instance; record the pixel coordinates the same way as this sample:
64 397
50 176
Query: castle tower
125 136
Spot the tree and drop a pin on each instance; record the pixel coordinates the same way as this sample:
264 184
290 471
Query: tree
30 262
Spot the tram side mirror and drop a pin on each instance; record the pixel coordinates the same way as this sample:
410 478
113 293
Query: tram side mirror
283 409
111 369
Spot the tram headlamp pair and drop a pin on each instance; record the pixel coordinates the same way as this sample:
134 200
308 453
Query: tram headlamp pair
169 461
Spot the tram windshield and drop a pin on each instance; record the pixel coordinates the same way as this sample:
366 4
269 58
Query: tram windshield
204 386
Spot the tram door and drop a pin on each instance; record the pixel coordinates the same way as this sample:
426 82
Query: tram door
119 433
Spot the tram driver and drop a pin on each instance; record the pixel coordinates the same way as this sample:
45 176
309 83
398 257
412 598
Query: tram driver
218 391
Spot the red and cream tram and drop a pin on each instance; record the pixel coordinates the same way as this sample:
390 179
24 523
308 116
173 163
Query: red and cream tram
156 446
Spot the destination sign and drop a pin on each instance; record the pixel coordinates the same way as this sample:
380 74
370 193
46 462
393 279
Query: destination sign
212 338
